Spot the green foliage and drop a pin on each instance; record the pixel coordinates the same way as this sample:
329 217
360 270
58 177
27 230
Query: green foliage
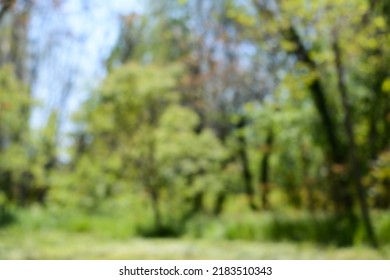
6 214
383 227
14 102
378 181
189 163
14 112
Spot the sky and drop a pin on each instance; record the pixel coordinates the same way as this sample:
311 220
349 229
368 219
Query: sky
69 46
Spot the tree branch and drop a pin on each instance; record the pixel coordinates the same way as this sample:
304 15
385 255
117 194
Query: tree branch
6 5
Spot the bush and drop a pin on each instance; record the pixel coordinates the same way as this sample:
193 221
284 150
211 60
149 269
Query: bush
382 222
296 227
6 216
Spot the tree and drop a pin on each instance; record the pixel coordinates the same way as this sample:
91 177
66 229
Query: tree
315 55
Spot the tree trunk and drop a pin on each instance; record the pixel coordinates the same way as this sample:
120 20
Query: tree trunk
156 210
354 161
243 156
308 184
342 196
265 170
220 200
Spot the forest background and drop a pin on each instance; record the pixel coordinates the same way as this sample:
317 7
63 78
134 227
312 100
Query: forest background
218 129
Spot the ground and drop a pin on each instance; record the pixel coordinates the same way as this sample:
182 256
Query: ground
61 245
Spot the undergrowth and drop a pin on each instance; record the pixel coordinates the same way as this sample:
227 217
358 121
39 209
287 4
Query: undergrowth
294 226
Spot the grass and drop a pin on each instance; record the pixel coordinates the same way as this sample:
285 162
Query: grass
51 244
41 233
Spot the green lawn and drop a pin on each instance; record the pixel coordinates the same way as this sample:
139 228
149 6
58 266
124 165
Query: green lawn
50 244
